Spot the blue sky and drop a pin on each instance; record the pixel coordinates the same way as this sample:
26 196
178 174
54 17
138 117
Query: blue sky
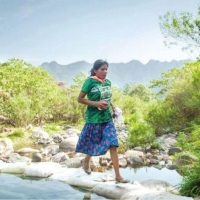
68 31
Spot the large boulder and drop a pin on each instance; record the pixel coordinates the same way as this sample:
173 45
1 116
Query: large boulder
159 185
111 190
14 168
43 169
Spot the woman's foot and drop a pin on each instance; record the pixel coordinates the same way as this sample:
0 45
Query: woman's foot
121 180
86 167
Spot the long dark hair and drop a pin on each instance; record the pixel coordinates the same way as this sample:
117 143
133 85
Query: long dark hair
97 64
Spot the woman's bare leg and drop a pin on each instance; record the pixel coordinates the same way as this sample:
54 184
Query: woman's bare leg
87 160
86 164
115 160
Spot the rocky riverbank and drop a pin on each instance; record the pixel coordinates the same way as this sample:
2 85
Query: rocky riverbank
57 160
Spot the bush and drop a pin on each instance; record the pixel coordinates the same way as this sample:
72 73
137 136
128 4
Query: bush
190 185
29 94
140 132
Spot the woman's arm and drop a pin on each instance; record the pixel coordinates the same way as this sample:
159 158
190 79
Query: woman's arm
113 110
81 99
113 107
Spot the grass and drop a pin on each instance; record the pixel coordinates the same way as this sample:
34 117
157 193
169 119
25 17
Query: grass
20 137
190 185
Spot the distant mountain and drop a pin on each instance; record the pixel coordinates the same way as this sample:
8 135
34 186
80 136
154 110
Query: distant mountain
133 72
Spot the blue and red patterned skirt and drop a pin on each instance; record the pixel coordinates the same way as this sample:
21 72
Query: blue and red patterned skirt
96 138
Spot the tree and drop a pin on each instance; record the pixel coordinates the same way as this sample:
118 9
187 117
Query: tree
183 28
29 94
140 91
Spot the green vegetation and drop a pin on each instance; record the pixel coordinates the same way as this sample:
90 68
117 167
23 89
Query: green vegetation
179 93
182 28
20 137
190 185
29 95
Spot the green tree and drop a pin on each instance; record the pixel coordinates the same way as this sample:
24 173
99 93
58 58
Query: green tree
29 94
180 104
182 28
76 111
141 91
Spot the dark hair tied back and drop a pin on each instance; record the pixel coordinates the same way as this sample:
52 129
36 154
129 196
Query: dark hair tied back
97 64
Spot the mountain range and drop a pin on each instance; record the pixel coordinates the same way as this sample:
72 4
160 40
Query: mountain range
133 72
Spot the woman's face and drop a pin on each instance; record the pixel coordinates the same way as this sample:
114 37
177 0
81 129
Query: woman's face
102 71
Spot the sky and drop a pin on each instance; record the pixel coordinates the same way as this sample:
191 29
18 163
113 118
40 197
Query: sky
67 31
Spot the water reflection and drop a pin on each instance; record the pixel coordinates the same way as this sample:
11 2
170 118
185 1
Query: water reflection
146 173
20 187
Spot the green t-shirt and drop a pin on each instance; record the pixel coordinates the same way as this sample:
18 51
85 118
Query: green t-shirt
97 91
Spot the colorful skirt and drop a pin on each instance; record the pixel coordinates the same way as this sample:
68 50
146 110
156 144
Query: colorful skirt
95 139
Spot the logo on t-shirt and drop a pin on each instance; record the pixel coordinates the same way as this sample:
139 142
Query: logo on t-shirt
94 89
106 93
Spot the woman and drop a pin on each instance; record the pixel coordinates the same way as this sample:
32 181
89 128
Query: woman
99 133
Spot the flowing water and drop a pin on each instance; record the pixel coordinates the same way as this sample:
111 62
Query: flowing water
20 187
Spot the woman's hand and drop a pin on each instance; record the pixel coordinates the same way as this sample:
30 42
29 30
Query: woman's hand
101 105
114 114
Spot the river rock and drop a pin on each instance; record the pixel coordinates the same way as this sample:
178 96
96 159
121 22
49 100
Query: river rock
184 159
68 144
152 195
37 157
159 185
6 147
15 157
111 190
42 169
130 153
51 150
27 150
135 160
39 133
72 162
174 150
60 157
14 168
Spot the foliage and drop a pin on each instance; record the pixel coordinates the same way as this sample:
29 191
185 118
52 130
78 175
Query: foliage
182 28
180 104
190 185
141 91
29 94
20 137
53 127
76 111
190 142
140 132
159 117
123 147
138 90
16 134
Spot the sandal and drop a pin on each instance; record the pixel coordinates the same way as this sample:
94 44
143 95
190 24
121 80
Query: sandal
87 170
121 180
